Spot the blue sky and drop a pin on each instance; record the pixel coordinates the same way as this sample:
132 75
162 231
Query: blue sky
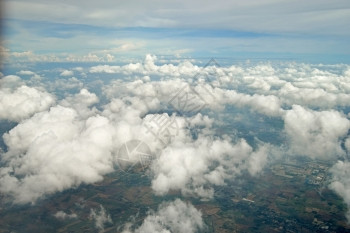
315 31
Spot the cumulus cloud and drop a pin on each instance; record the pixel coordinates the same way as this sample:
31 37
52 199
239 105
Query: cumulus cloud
268 105
341 182
61 215
184 164
314 97
194 167
176 216
26 72
81 102
90 57
45 151
101 217
301 84
67 73
18 101
149 67
11 82
347 145
188 86
316 134
66 84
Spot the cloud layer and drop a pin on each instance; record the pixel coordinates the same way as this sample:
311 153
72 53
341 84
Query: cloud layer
178 111
314 16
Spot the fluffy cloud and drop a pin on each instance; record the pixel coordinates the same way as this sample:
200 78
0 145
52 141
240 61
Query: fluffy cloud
149 67
184 164
18 101
66 84
26 72
61 215
316 134
341 182
270 87
314 97
101 217
81 102
347 144
195 166
45 151
176 216
268 105
67 73
188 83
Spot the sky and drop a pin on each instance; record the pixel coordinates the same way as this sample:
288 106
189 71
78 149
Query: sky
314 31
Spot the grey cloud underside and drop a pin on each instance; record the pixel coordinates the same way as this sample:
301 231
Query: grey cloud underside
78 132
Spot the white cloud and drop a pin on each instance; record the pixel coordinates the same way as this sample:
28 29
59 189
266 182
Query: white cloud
314 97
315 134
127 46
258 160
26 72
213 97
31 56
149 67
10 82
67 73
45 151
61 215
347 144
4 53
18 101
90 57
176 217
195 166
47 146
341 182
176 167
81 102
66 84
268 105
101 218
105 69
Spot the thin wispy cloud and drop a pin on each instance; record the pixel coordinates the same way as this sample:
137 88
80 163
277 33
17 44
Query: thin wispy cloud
270 29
